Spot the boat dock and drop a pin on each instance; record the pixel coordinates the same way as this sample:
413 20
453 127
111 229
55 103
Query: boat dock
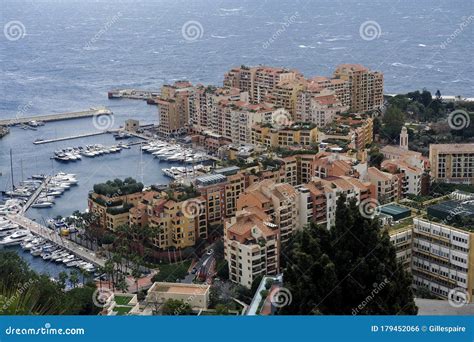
47 141
35 195
134 94
52 236
57 117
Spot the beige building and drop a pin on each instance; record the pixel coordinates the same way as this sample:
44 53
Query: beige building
452 163
173 107
386 185
365 86
252 246
196 295
277 200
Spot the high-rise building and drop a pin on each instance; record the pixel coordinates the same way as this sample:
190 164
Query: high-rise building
251 245
365 86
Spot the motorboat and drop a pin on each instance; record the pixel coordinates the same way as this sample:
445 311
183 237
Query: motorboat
41 205
15 238
36 251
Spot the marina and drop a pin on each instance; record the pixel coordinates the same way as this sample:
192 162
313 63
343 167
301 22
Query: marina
49 241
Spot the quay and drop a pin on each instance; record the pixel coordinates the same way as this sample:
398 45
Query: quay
57 117
47 141
134 94
52 236
35 195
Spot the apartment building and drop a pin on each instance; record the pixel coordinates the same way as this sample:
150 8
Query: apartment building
236 118
234 187
259 82
277 200
365 86
452 163
288 170
112 211
174 222
285 95
410 176
302 134
213 189
251 245
203 103
318 106
385 184
173 108
443 259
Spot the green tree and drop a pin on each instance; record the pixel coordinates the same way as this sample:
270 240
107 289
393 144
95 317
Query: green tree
334 272
393 121
74 278
62 279
176 307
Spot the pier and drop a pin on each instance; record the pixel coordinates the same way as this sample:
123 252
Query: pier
53 236
134 94
57 117
47 141
35 195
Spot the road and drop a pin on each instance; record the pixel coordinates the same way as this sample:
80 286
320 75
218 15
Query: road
205 261
51 235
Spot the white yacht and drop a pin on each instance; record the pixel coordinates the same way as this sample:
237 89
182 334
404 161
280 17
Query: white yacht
15 238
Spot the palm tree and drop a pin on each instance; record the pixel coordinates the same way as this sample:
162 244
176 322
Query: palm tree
74 278
136 273
62 279
122 284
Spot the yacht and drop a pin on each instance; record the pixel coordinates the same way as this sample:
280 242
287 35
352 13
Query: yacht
46 255
36 251
15 238
41 205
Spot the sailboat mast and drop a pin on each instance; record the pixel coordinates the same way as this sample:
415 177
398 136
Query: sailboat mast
11 169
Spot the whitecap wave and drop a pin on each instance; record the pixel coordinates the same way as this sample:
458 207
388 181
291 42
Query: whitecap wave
401 65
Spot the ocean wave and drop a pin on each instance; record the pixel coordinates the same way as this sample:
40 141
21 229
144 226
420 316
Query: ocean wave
401 65
337 38
230 9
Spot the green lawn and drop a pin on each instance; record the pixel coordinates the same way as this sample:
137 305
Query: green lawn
122 310
171 272
122 300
